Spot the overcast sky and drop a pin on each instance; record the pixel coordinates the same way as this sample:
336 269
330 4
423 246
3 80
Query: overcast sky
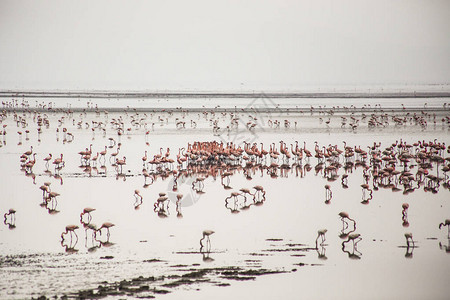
222 45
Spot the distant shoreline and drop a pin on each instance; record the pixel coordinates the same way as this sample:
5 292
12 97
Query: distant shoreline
300 110
229 95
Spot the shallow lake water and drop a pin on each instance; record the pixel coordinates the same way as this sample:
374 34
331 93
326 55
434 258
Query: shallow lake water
264 245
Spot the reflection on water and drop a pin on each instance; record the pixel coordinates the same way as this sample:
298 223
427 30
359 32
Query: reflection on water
446 248
238 201
193 164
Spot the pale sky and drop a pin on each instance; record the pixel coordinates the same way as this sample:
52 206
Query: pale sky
222 45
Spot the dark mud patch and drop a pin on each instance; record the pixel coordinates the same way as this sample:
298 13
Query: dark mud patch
223 284
178 266
239 278
260 272
198 252
153 260
242 275
184 281
259 254
295 245
149 287
21 260
286 250
252 260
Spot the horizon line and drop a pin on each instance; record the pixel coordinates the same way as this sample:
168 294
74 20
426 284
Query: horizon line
375 93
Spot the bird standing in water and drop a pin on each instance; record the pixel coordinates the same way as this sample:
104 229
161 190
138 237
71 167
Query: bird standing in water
321 234
409 239
70 229
446 223
206 234
11 215
106 225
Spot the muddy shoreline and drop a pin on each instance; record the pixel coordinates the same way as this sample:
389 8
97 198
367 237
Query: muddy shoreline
149 287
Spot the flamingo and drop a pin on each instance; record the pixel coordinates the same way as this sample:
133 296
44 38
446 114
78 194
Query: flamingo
87 211
328 193
178 203
69 230
12 214
121 163
321 234
409 238
47 159
103 154
144 158
206 234
446 223
58 162
106 225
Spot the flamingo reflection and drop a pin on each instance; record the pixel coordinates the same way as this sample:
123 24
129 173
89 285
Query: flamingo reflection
446 248
69 248
206 258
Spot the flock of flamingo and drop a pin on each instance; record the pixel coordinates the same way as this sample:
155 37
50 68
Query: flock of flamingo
399 166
